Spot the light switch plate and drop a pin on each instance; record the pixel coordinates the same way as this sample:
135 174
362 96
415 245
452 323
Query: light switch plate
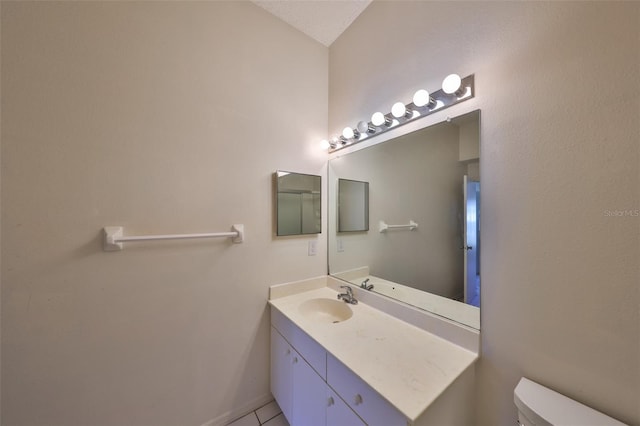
340 245
313 247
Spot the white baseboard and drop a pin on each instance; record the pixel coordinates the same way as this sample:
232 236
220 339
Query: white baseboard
236 413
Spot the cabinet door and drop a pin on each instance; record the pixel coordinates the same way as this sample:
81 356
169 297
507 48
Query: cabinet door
339 413
282 373
309 395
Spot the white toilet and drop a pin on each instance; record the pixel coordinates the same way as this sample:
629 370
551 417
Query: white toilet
538 406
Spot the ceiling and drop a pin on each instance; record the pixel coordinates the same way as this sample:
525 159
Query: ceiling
322 20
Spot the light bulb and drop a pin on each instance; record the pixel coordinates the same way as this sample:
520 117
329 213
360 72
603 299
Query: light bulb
422 98
364 127
347 132
451 84
398 110
324 144
378 119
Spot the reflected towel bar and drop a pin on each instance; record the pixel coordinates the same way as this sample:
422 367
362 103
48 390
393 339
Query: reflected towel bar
411 225
114 238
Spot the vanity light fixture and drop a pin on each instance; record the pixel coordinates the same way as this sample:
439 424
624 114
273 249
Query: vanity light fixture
454 90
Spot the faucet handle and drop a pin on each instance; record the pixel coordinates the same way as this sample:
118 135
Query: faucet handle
348 296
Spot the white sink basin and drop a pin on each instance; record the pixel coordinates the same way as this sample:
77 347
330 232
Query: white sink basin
327 311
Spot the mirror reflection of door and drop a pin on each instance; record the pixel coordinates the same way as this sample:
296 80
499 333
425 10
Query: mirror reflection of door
289 214
471 246
297 213
353 205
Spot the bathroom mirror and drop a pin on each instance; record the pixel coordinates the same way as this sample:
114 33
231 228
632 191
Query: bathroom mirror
353 205
298 204
424 186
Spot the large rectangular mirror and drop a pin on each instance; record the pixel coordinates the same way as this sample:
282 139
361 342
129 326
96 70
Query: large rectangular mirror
298 204
429 178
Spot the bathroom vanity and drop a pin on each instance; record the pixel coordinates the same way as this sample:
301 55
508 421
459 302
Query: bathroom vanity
377 362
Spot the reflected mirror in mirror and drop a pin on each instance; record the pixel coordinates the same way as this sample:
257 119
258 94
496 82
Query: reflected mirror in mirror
298 204
353 205
432 177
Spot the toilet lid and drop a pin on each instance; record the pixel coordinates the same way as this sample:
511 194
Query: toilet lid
543 406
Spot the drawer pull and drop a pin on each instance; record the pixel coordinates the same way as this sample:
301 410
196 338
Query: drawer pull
295 359
358 399
330 401
288 351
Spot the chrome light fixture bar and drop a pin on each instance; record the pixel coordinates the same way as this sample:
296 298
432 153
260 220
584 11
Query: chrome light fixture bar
454 90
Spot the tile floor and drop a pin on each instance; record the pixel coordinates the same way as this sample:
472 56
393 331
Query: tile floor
267 415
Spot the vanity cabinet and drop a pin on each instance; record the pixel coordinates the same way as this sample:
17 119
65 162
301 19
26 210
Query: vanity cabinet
314 389
370 369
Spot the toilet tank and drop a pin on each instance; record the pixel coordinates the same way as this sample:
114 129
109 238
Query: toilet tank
540 406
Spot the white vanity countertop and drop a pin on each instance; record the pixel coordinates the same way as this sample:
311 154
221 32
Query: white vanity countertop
406 365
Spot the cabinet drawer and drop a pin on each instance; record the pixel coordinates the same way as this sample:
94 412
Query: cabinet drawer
308 348
367 403
282 324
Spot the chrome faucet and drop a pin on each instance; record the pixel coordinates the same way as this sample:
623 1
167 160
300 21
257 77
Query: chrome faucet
348 296
366 286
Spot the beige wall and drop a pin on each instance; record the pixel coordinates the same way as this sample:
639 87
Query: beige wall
428 258
558 87
165 117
